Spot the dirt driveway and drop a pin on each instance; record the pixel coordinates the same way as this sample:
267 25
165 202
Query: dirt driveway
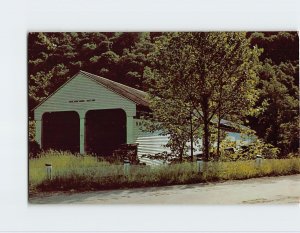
269 190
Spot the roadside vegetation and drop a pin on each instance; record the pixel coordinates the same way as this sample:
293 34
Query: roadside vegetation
84 173
200 84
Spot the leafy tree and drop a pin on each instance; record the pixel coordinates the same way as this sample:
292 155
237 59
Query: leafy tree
278 46
192 69
289 136
171 116
278 124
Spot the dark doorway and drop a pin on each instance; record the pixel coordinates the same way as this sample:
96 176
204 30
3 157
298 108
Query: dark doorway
105 130
61 131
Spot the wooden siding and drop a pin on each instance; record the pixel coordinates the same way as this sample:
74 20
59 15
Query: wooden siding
152 145
157 144
89 94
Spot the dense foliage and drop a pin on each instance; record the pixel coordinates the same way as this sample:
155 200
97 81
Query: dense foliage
53 58
278 124
202 76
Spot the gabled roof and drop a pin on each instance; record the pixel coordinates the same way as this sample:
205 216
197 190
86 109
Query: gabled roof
135 95
229 125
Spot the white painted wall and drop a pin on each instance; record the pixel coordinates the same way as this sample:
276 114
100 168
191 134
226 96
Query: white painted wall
83 88
91 96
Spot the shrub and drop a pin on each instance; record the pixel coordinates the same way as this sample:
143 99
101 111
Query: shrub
294 155
31 130
247 152
34 149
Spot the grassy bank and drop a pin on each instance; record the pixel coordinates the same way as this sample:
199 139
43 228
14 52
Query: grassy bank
83 173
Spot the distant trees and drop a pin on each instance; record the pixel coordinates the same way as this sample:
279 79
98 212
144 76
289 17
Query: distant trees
278 46
278 124
222 64
202 76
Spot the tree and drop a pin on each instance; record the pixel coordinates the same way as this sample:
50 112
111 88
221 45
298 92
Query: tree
278 46
278 124
176 121
202 73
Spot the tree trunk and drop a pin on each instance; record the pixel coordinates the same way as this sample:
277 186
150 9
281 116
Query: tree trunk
191 135
219 135
206 135
275 128
206 140
180 156
181 152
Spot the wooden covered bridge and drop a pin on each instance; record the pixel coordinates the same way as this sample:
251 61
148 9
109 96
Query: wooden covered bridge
89 114
92 114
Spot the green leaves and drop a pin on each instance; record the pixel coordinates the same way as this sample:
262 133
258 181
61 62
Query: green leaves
277 123
201 73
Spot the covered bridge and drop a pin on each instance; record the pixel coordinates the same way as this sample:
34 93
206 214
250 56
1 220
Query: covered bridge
89 114
92 114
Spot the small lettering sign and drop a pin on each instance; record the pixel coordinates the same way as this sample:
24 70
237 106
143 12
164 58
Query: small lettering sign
80 101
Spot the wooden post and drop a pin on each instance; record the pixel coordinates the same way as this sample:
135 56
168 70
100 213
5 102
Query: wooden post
126 167
82 132
38 132
49 171
258 161
200 165
129 130
82 135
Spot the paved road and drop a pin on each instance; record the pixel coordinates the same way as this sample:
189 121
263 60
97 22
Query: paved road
269 190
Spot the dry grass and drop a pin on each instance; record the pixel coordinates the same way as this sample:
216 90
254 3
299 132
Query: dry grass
76 172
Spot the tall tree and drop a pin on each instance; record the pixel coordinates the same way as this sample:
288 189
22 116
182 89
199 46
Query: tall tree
278 124
278 46
279 80
195 68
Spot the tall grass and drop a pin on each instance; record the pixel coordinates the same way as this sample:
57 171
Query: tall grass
88 173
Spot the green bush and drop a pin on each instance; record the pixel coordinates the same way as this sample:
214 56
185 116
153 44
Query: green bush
33 149
31 130
247 152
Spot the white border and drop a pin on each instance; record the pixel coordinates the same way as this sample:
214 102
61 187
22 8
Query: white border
19 17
